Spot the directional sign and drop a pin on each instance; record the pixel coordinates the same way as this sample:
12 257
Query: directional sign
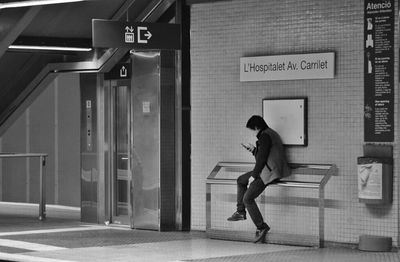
120 71
113 34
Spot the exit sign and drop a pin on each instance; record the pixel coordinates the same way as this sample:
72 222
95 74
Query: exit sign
114 34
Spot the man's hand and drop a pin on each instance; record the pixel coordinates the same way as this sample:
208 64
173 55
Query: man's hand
248 147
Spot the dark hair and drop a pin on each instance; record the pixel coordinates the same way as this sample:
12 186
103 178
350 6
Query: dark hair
256 122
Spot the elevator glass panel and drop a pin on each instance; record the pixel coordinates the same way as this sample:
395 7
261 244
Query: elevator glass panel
146 139
121 183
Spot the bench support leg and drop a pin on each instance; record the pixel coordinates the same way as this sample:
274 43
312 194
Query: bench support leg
208 206
321 216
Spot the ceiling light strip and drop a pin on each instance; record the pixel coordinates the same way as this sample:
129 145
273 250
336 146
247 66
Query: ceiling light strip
50 48
35 3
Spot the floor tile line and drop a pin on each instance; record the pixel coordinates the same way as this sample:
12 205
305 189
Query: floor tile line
26 258
54 230
28 245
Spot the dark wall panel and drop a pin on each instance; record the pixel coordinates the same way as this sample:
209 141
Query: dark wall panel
41 136
89 164
69 140
14 170
167 146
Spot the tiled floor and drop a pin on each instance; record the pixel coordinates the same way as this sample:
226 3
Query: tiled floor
24 238
310 255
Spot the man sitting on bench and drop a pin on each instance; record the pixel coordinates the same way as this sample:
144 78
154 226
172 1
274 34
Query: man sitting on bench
271 165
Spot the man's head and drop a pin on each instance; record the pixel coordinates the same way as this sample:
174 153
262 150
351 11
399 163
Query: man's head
256 123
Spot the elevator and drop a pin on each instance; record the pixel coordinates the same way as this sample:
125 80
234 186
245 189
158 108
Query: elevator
130 169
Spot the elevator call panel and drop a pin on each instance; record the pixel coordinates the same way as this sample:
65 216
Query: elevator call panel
89 131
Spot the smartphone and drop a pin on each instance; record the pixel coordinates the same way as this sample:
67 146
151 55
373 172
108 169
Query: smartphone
247 147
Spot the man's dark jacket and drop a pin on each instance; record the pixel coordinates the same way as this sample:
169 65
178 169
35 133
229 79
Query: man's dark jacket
271 163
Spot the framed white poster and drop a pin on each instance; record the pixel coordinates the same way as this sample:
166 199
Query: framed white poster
287 117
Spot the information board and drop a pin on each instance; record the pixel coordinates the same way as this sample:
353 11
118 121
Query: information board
379 71
288 118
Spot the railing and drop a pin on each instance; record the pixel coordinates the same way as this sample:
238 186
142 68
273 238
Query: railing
42 189
324 170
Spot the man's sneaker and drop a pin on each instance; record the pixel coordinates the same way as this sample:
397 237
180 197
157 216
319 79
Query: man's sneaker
260 235
237 216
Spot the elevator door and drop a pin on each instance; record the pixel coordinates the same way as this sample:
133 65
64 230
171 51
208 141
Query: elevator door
121 179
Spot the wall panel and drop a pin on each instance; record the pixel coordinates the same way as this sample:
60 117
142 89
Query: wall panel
221 33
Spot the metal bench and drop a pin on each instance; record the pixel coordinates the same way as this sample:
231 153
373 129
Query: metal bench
324 170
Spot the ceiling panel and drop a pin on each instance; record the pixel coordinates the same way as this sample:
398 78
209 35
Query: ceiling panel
66 23
8 18
71 20
17 70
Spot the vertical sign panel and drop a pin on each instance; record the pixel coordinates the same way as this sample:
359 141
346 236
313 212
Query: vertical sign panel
379 71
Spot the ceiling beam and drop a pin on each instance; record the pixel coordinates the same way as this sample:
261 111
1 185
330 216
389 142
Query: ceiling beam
192 2
18 28
154 10
19 4
50 42
123 9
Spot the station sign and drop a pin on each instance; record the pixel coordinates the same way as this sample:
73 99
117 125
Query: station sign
135 35
287 67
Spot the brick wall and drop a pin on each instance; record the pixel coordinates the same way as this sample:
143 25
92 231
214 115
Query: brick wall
223 32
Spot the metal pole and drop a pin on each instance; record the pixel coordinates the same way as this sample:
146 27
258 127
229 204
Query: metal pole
42 203
321 217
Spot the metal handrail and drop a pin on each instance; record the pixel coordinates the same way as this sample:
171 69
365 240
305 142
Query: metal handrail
325 170
42 190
